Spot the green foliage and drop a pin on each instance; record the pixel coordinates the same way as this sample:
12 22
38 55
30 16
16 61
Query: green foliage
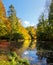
13 19
23 62
50 16
11 27
3 62
3 29
17 36
32 32
45 30
16 27
14 59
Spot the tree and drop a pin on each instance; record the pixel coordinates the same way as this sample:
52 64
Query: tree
50 19
50 15
41 26
31 31
13 20
3 29
17 36
45 30
16 26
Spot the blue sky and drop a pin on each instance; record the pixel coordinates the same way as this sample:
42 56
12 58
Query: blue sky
28 10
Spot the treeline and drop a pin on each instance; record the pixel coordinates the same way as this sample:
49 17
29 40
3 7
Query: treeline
12 30
45 29
11 27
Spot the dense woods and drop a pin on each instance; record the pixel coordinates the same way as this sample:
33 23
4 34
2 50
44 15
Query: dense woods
11 31
11 26
32 32
15 38
45 29
44 33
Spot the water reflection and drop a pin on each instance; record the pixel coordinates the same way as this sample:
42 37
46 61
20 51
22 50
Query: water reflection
33 58
27 44
32 44
24 46
28 51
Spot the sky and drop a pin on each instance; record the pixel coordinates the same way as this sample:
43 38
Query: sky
27 10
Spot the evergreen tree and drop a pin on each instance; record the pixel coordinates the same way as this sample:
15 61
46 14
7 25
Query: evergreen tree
13 20
50 16
50 19
12 16
45 30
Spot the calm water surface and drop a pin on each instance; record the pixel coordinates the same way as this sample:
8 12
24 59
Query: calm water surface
31 54
33 58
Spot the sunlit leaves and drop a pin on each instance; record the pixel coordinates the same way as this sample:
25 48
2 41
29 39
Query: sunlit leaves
31 32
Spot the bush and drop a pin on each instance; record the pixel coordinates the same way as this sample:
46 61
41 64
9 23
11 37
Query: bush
17 36
13 59
16 60
2 62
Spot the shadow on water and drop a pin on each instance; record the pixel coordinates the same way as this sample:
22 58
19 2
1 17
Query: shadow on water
28 51
46 48
25 45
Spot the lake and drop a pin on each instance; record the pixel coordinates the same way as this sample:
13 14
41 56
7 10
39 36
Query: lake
28 51
33 58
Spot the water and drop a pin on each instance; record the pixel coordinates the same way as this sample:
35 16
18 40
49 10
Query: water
28 51
33 58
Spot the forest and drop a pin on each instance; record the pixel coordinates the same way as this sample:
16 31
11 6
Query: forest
11 31
13 34
45 29
10 27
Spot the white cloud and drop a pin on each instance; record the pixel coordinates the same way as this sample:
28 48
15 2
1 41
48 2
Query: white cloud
26 23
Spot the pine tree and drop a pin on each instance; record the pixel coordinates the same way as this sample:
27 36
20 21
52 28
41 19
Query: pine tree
50 19
13 19
50 16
